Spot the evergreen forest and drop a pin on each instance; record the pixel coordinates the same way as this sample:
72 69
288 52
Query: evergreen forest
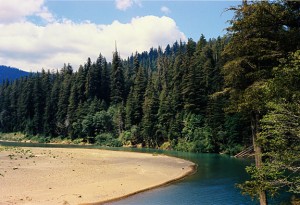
155 98
211 95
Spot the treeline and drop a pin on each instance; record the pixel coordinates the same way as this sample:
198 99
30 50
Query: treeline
154 98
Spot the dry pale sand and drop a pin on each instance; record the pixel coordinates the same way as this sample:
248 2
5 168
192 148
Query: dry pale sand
81 176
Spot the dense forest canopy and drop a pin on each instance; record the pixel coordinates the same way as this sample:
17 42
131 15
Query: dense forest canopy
155 98
216 95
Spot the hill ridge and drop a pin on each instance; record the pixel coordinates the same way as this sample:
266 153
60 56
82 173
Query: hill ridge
11 73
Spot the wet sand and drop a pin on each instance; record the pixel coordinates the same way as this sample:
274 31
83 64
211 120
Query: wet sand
82 176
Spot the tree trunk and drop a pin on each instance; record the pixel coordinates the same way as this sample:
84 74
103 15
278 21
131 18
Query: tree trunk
257 152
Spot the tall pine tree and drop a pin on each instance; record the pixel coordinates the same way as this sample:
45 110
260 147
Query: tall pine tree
117 88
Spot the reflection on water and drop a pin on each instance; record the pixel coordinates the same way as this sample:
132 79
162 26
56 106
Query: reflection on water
212 184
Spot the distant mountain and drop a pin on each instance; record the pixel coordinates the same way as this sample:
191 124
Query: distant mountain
11 73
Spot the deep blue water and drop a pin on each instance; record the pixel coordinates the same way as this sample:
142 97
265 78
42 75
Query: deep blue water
212 184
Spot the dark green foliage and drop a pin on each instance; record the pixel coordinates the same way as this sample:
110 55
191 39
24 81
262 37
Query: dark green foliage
107 139
260 36
104 93
280 133
134 106
145 99
51 107
62 118
117 89
39 105
150 119
197 135
103 123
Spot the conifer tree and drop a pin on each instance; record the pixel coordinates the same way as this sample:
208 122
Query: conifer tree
105 81
39 104
129 110
189 78
27 104
176 96
73 102
149 120
13 99
6 113
80 84
117 88
93 79
97 84
279 136
138 95
259 32
51 107
164 116
63 120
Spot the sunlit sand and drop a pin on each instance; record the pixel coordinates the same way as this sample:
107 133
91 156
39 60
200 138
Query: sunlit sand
81 176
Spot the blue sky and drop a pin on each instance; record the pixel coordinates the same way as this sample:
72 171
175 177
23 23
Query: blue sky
192 17
46 34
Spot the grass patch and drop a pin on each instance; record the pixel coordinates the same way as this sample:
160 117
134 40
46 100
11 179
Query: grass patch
14 136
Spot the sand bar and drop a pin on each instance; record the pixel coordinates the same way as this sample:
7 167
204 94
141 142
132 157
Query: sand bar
81 176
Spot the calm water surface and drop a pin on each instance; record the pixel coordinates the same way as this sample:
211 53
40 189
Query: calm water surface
212 184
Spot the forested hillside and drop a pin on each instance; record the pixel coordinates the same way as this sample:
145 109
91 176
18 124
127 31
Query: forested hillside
155 98
9 73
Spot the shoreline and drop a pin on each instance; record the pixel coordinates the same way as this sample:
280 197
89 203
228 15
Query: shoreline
83 176
189 173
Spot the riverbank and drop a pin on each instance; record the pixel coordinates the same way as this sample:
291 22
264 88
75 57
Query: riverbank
82 176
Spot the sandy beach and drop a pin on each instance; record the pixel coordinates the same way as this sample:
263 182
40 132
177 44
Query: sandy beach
81 176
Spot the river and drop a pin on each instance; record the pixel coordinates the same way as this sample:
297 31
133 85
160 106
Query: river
212 184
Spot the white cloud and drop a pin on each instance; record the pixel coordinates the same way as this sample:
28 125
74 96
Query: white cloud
32 47
125 4
165 10
45 14
17 10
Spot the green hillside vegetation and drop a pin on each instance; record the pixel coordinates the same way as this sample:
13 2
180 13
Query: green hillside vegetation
150 99
218 96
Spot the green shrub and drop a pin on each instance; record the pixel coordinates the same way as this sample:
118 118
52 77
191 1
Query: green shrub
107 139
37 138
